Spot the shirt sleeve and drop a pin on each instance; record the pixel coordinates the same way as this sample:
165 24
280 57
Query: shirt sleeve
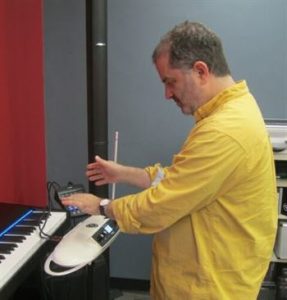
156 173
200 172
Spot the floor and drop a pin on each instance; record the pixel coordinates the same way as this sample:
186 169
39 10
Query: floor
129 295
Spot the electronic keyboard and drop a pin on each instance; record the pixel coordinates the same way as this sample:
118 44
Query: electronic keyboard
20 239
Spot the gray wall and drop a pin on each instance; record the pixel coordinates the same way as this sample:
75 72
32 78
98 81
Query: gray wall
65 90
151 129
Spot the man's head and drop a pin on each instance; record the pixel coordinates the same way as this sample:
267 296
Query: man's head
191 64
189 42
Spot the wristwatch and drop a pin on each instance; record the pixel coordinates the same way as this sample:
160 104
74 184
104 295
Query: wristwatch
103 205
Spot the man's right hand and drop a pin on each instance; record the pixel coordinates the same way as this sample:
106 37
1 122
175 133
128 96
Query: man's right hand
103 171
106 171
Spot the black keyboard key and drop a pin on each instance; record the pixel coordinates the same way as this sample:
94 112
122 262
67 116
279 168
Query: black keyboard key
37 216
7 248
28 228
21 230
12 238
5 251
29 223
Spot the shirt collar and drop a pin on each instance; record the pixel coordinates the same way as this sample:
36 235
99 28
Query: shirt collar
226 95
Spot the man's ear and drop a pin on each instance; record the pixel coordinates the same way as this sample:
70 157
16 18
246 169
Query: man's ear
202 69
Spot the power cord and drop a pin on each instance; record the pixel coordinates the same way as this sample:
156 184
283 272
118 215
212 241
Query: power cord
52 186
73 214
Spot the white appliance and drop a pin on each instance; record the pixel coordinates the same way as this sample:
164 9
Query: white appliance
80 246
278 134
281 240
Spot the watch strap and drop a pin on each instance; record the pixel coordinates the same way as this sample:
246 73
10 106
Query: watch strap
103 204
102 210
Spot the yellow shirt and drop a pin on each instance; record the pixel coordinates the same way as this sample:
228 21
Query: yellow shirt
214 214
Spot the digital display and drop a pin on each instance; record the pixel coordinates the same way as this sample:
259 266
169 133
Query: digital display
108 229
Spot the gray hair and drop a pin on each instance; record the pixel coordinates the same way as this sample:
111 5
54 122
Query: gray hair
189 42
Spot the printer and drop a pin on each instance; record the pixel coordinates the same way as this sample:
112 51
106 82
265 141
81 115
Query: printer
278 135
277 129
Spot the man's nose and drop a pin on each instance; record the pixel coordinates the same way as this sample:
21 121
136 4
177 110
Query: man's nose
168 93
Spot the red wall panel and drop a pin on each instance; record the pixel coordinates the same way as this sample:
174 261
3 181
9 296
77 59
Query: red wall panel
22 123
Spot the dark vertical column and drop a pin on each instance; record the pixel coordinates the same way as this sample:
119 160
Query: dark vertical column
96 24
97 83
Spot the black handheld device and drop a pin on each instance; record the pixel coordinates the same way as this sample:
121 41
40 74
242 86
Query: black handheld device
66 191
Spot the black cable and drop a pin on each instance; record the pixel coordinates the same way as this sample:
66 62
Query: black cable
51 185
46 214
53 188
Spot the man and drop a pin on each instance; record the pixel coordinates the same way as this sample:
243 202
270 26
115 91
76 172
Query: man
213 211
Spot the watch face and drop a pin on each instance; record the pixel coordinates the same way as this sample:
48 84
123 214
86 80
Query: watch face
104 202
